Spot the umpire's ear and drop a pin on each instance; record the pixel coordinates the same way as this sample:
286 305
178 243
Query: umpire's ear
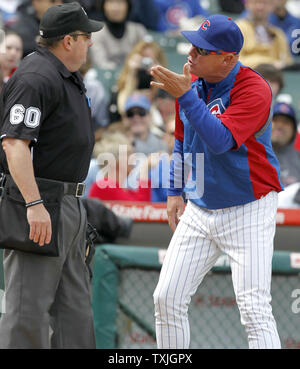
68 42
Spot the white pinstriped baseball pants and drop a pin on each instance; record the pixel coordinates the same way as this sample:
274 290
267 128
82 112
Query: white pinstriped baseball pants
245 233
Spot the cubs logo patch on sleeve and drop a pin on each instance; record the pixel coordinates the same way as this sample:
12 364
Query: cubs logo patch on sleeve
216 106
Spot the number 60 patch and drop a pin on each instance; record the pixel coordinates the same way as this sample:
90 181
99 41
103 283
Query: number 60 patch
30 116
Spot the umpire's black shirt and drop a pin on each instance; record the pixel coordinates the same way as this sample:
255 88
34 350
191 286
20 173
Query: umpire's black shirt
45 103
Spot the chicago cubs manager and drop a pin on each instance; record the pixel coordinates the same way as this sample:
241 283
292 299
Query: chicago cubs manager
225 115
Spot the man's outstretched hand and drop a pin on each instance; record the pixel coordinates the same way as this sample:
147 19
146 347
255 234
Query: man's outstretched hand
175 84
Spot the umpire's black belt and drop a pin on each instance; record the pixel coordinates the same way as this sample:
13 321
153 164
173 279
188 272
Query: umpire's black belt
65 188
76 189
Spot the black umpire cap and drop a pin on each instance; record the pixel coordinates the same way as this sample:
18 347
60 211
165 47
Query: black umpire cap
62 19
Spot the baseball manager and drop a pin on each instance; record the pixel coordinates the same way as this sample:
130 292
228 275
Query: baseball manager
225 115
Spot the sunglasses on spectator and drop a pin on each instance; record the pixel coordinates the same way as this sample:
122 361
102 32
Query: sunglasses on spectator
132 113
204 52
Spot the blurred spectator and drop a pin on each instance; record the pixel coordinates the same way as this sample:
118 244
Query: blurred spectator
10 60
90 7
1 79
284 128
273 76
297 140
159 170
282 18
287 22
294 8
118 36
172 12
165 103
169 136
135 76
138 121
27 23
114 183
157 165
94 172
97 96
232 6
263 42
8 10
144 12
285 125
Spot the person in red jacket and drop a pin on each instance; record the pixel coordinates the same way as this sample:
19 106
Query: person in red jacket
116 149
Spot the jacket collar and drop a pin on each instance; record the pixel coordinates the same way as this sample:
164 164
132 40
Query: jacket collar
226 81
54 60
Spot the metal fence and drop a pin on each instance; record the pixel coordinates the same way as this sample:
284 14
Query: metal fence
125 278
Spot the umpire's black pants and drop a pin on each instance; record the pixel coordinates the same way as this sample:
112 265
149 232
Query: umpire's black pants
47 299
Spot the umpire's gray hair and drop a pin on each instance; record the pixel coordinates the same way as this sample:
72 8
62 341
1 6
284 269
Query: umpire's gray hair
50 42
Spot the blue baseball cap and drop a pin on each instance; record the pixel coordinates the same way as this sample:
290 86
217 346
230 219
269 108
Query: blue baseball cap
137 101
217 32
285 109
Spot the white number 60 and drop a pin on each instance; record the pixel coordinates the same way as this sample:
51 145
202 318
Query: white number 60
31 119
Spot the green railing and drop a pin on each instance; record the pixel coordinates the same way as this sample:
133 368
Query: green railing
124 281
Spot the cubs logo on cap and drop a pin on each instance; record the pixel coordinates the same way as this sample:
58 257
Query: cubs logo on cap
217 32
205 25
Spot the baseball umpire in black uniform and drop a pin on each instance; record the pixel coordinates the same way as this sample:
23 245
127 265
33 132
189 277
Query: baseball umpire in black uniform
47 133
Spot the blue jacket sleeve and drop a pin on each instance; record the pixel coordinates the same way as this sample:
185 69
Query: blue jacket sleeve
176 170
210 128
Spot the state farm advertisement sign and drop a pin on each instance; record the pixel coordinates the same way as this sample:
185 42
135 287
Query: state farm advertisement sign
140 212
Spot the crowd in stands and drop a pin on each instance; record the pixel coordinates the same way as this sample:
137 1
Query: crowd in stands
137 118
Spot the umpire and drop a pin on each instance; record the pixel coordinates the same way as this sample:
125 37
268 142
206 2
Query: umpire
46 132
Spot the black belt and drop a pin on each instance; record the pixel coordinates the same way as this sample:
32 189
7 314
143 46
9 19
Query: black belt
75 189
